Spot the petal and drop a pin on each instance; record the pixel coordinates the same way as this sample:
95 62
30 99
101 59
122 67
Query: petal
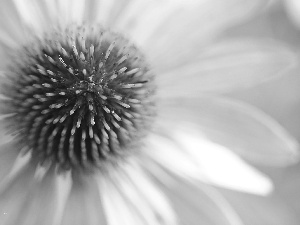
10 25
63 185
40 15
226 66
193 157
132 16
240 127
160 25
13 199
31 195
222 167
137 201
141 19
8 155
187 29
5 137
40 202
33 13
194 202
84 205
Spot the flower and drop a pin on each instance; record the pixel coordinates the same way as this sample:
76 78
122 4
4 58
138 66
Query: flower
96 131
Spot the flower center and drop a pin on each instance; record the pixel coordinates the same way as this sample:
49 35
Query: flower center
80 97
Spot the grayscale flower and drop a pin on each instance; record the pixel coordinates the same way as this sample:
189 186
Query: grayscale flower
106 105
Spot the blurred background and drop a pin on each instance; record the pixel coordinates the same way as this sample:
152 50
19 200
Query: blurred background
279 98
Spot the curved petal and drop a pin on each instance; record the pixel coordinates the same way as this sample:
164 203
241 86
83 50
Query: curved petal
40 15
33 13
159 26
244 129
137 201
5 136
225 66
13 199
84 205
8 155
222 167
193 202
189 156
10 25
30 196
189 28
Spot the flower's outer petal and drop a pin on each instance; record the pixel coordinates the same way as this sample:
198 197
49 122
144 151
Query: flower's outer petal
240 127
188 29
132 18
193 202
40 15
11 28
4 133
84 205
13 196
137 201
33 196
190 156
220 166
8 154
159 26
35 15
226 66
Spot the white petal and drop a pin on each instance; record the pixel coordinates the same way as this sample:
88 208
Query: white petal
13 197
224 67
29 200
5 136
167 153
41 202
187 29
240 127
70 11
20 163
194 202
40 15
152 195
11 28
141 19
136 199
222 167
34 14
84 205
63 184
114 202
192 157
8 155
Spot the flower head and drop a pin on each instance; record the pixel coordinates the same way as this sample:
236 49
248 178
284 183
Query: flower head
79 97
100 99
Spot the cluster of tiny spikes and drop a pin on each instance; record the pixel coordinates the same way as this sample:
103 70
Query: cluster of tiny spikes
80 98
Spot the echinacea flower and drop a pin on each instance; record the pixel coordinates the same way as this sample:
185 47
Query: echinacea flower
104 100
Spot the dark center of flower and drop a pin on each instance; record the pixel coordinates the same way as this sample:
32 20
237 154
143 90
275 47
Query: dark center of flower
81 96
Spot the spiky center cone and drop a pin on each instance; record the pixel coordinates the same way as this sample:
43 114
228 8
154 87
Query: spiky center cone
79 97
